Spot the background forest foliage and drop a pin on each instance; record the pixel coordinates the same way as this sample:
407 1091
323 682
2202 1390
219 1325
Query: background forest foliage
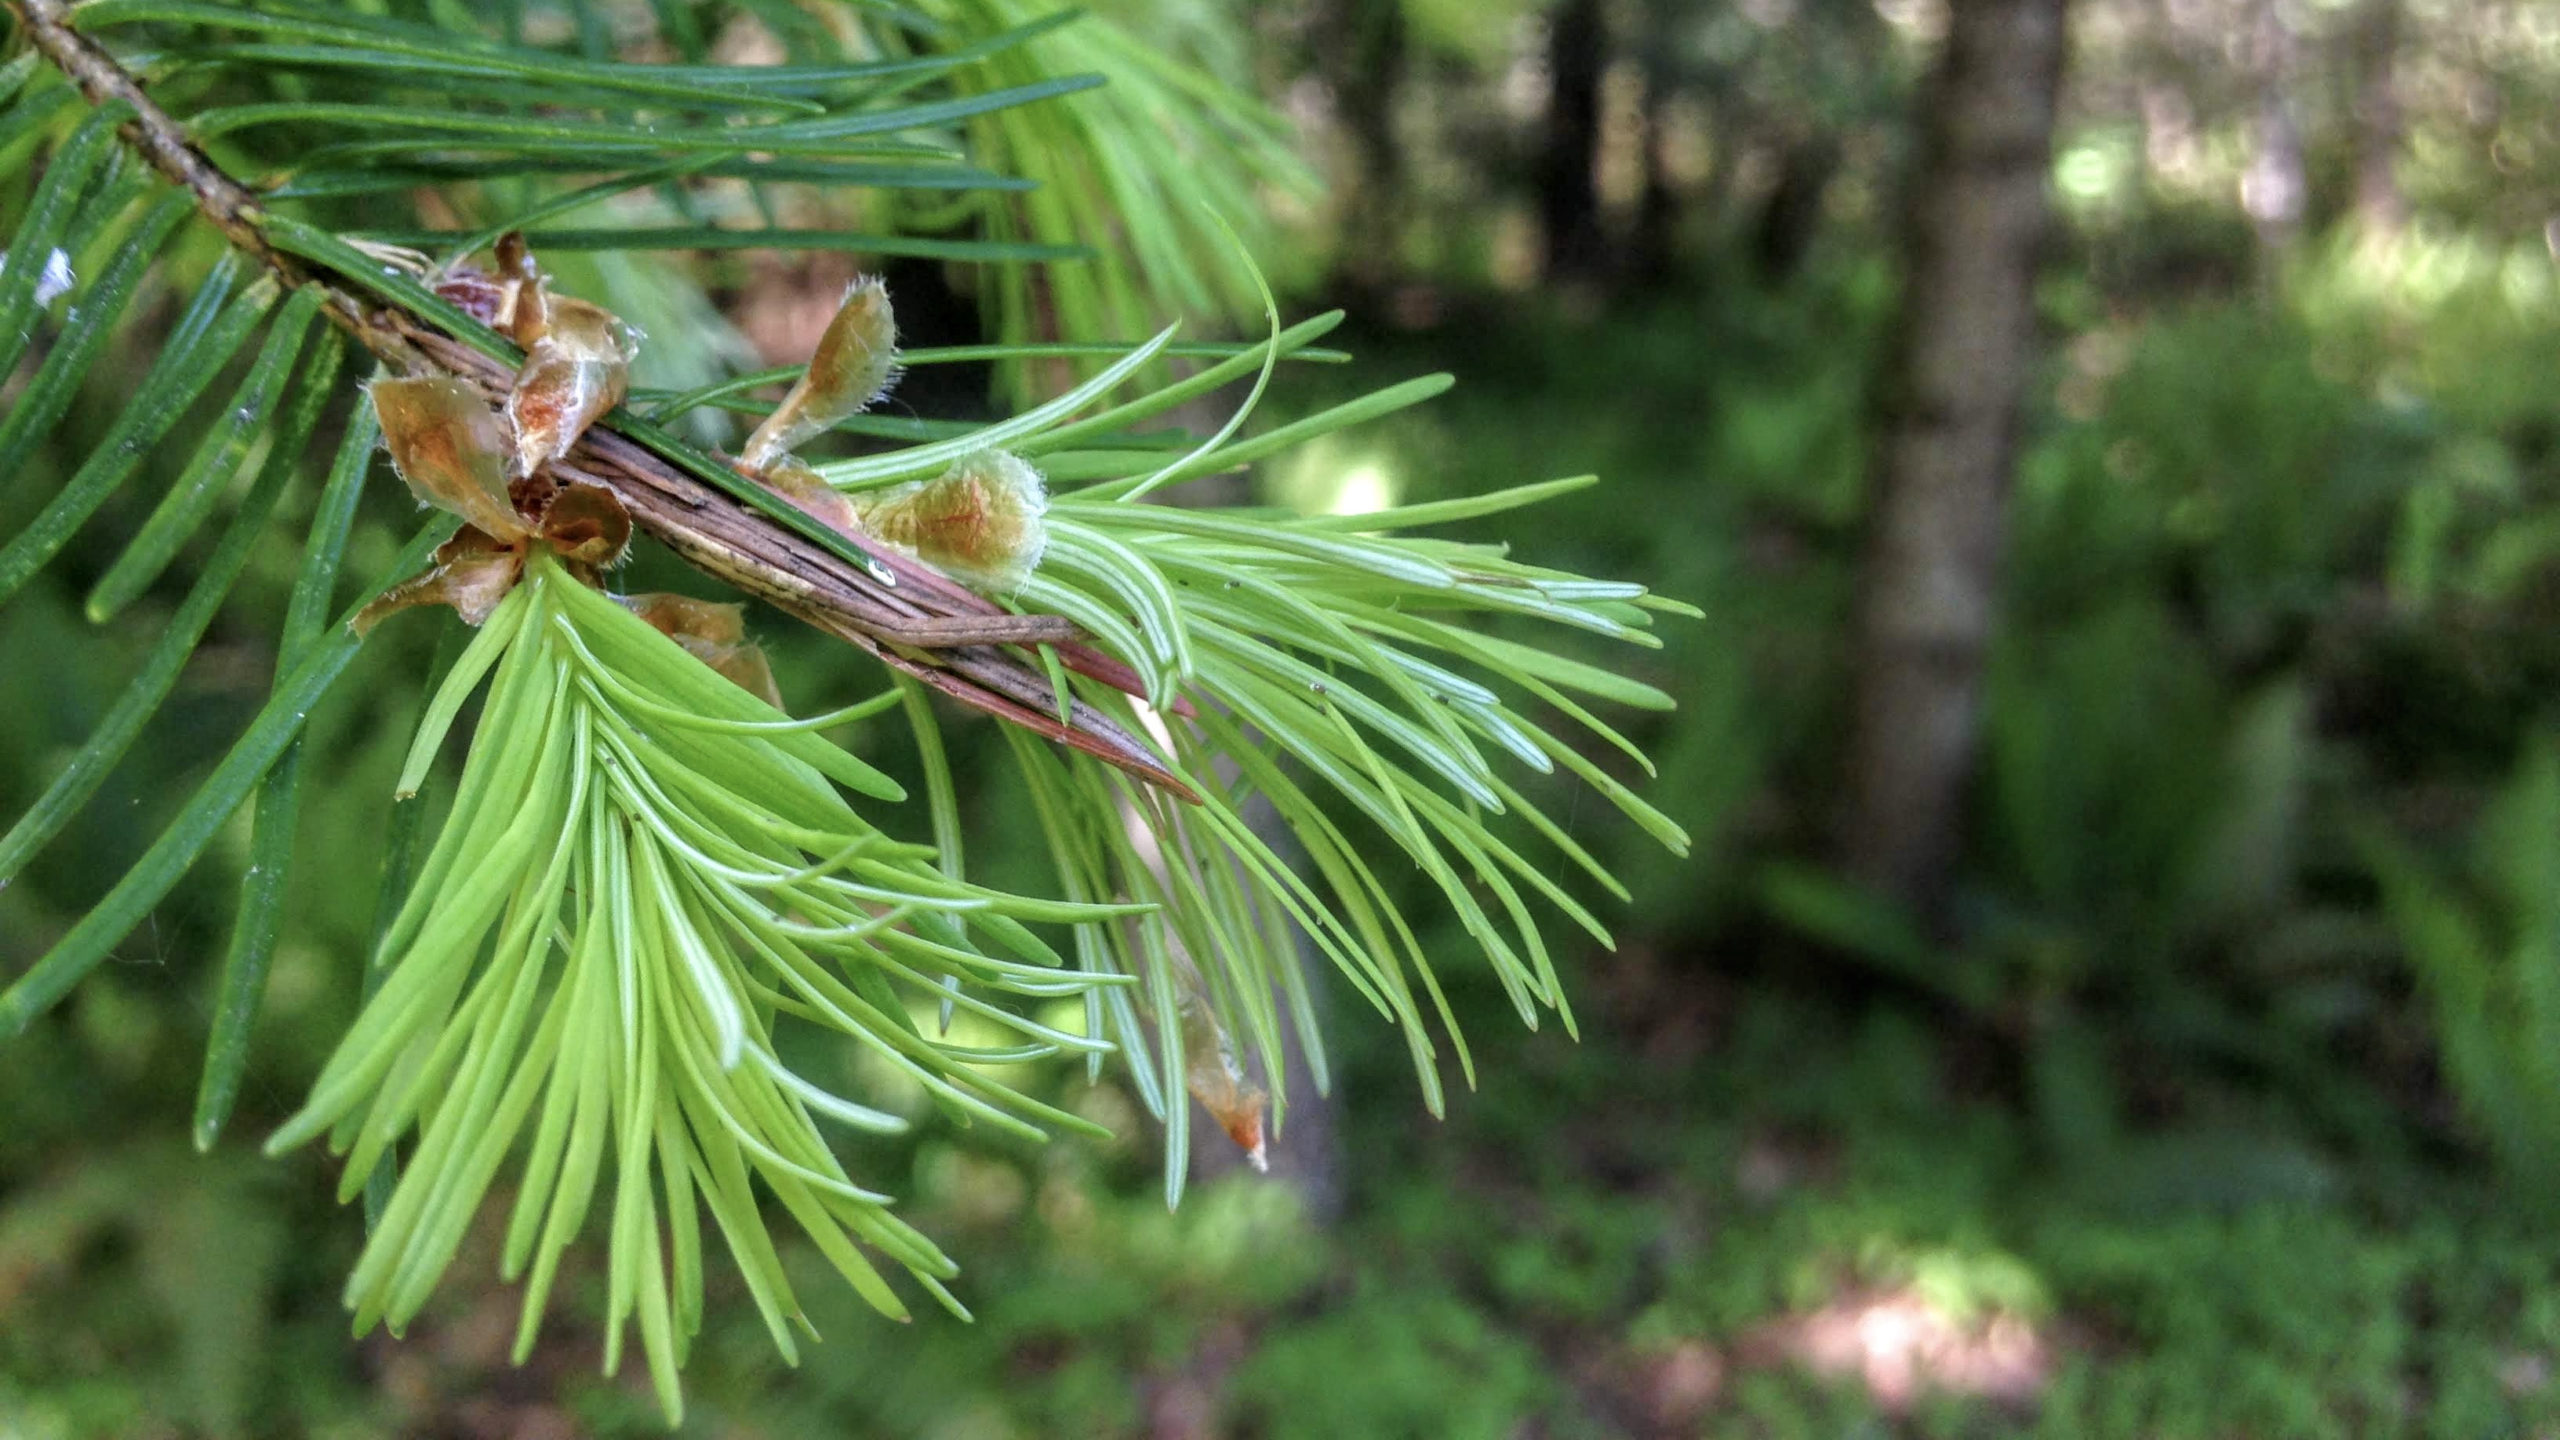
2219 1098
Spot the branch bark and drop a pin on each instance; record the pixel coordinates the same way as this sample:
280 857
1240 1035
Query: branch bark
1955 378
152 133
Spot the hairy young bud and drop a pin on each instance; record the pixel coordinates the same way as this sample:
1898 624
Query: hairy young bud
856 361
450 449
978 521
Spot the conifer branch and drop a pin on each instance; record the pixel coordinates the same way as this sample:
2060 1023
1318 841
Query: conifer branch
909 616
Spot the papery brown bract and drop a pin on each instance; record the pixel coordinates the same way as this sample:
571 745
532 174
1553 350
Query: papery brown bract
521 285
855 363
743 665
481 296
719 622
1214 1077
979 521
450 449
809 493
472 573
713 633
588 525
577 368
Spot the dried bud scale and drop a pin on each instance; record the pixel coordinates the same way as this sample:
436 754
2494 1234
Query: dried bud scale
809 493
576 368
450 449
475 293
713 633
1216 1077
472 573
587 525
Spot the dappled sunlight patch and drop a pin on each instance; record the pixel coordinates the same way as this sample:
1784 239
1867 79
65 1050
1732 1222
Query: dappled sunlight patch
1362 490
1920 1322
1901 1345
2415 271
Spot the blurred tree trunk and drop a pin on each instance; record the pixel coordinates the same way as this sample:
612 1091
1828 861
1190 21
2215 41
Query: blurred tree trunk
1791 219
2274 189
1359 48
1650 252
2381 206
1568 167
1949 401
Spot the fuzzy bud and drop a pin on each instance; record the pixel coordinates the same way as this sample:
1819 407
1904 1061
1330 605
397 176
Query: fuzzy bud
978 521
856 361
809 493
